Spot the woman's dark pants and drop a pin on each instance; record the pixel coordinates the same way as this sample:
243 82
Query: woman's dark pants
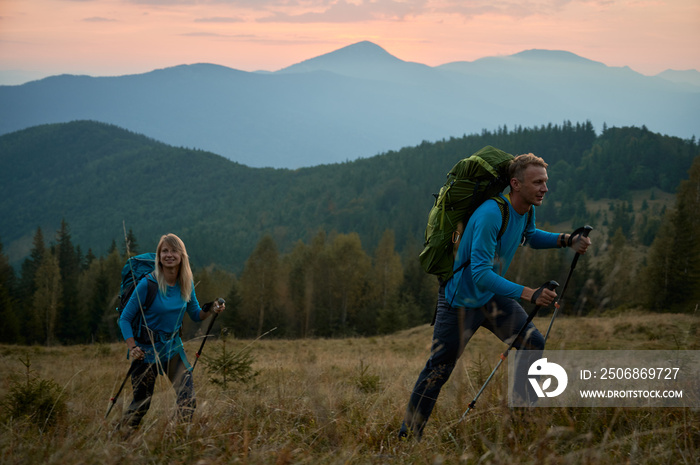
143 380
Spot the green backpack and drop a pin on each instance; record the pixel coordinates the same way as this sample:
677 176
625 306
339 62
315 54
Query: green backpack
469 183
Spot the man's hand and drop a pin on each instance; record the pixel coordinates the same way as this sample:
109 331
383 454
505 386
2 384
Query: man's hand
580 244
545 298
578 240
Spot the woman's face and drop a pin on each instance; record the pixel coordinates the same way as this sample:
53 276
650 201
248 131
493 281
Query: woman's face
169 256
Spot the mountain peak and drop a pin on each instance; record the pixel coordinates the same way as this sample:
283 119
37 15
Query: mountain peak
688 76
360 54
363 50
559 56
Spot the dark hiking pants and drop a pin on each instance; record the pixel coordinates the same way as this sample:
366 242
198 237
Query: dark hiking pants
453 328
143 380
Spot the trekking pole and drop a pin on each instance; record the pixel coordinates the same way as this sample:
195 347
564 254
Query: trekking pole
113 400
551 285
218 303
584 231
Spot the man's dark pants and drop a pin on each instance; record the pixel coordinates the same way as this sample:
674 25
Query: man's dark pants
453 328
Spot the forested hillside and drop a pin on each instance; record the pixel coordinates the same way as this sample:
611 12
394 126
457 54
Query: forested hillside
99 177
338 243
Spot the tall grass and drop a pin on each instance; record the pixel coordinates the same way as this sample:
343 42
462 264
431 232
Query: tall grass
320 401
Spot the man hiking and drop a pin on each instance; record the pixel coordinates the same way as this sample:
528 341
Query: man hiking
478 294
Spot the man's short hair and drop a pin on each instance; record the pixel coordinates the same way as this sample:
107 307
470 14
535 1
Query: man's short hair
520 163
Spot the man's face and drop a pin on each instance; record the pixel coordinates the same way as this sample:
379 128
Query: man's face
534 185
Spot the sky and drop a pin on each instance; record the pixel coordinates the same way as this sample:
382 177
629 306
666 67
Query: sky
40 38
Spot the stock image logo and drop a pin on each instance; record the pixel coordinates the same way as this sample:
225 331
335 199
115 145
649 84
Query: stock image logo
542 369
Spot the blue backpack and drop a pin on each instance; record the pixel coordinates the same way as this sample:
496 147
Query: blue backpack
137 268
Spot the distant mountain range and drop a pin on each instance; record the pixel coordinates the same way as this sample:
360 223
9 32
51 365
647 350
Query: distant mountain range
356 102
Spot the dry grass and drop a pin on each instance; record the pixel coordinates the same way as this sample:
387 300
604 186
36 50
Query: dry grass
309 405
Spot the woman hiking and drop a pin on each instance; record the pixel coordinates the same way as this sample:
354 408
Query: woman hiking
158 349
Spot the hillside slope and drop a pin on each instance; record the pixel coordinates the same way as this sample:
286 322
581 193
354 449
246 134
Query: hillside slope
100 178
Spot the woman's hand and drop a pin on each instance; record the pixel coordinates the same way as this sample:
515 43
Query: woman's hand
136 353
219 305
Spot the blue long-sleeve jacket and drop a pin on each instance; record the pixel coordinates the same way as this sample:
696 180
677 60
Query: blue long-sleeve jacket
163 318
476 283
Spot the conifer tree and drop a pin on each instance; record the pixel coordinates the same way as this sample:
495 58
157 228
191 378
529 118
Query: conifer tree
111 268
93 298
131 245
314 289
300 288
10 327
31 324
620 269
259 282
231 317
672 277
30 265
47 299
387 272
387 276
348 284
72 322
418 291
112 247
688 232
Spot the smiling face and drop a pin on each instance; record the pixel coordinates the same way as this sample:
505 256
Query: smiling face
533 186
528 181
169 256
528 188
173 265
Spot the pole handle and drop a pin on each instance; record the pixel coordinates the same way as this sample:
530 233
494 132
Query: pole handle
551 285
584 231
218 302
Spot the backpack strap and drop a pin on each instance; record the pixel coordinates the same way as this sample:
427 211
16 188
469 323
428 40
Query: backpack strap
529 220
505 213
151 291
505 216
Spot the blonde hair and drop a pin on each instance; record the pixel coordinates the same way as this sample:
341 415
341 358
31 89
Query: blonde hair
184 276
520 163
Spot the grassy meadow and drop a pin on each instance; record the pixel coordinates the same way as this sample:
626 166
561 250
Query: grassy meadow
320 401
